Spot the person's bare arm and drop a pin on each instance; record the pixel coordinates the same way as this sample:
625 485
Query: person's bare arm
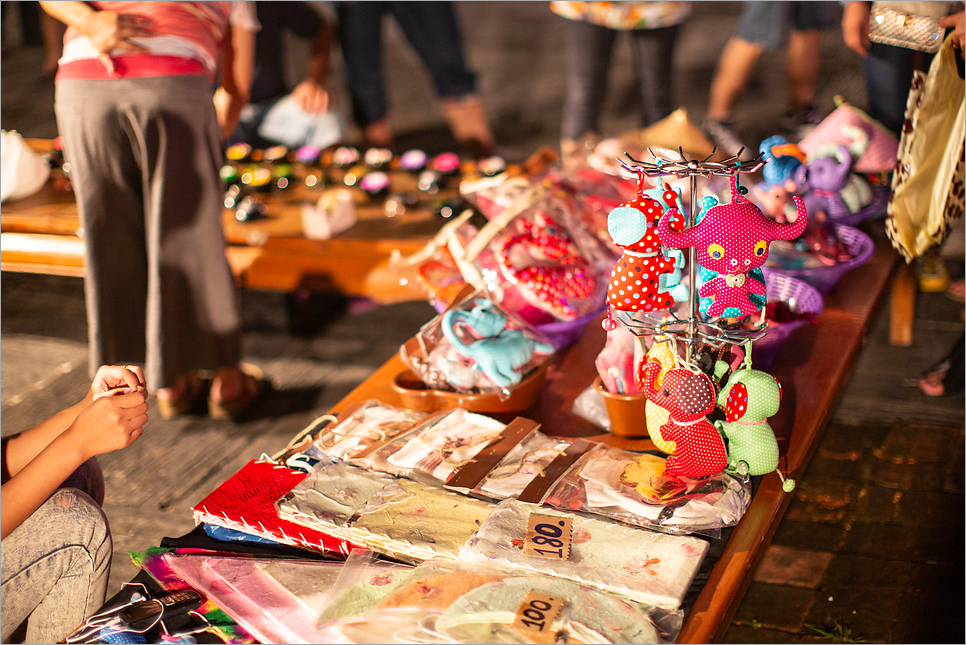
311 93
237 70
109 417
855 27
107 30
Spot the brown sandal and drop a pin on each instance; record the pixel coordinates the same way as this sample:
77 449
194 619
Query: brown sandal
253 384
187 401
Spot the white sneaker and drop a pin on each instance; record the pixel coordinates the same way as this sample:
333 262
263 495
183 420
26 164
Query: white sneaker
724 137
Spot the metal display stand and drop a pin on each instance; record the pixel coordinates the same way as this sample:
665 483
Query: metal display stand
692 329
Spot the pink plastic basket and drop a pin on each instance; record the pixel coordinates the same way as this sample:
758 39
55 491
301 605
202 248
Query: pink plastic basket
801 298
824 278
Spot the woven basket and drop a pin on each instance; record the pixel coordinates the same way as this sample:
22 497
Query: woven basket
876 208
824 278
801 298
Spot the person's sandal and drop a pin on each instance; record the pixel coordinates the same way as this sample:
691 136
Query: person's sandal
187 401
253 384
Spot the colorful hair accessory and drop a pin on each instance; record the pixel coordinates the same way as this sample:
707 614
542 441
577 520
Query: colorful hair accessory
375 183
308 154
275 154
377 157
446 163
554 287
499 351
229 174
731 240
345 156
257 178
491 166
240 152
284 176
413 160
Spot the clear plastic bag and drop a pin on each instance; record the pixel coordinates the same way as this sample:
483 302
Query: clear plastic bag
413 522
645 566
331 494
474 347
373 422
521 465
632 488
439 447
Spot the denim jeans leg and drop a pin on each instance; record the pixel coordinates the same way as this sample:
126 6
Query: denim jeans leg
434 32
588 51
55 567
888 76
360 33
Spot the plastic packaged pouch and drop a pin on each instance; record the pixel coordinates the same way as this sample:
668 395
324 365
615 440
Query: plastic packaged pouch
362 584
330 495
373 422
537 261
645 566
521 465
439 447
632 488
413 522
255 599
475 346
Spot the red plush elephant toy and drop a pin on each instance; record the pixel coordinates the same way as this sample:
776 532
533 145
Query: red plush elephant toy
688 397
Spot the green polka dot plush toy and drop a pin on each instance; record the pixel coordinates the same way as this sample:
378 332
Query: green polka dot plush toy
749 397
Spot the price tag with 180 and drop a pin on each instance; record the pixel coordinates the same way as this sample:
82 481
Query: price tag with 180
548 536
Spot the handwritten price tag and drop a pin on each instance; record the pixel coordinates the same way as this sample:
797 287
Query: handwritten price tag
548 536
535 615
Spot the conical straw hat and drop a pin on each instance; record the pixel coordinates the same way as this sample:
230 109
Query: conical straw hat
672 132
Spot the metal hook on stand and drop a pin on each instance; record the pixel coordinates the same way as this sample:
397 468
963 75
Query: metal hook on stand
693 329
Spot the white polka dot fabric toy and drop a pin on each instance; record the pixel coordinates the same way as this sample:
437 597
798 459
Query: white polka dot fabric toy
731 240
749 397
687 396
646 277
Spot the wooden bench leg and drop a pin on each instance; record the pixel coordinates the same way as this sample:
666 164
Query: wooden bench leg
903 306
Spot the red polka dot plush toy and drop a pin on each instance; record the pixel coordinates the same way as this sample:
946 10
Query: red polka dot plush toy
646 277
731 240
687 396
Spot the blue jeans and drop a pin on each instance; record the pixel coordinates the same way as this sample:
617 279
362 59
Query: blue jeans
55 567
888 77
432 30
767 23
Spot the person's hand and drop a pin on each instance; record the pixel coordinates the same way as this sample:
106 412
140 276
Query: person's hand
128 378
956 22
110 423
228 107
311 97
855 27
109 30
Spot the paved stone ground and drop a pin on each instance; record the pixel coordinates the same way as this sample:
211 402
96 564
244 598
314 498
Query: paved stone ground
871 546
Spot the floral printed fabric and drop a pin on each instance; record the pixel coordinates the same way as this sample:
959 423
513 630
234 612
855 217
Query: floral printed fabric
625 15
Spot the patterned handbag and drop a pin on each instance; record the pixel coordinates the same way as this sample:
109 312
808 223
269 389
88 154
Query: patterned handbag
919 31
927 186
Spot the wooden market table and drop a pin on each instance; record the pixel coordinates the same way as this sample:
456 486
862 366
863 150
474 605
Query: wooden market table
812 365
41 234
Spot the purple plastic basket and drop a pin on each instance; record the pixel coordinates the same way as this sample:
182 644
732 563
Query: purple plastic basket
801 299
824 278
876 208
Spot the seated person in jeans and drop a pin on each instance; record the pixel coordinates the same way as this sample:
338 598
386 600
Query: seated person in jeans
275 115
56 550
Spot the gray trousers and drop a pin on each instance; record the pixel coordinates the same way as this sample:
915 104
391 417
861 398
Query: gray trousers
54 567
144 156
589 49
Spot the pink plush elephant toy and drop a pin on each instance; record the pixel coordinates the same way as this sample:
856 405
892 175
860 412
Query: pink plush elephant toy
688 397
731 240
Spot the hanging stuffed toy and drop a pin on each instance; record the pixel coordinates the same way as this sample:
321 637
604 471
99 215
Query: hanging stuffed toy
688 397
749 397
646 278
732 240
663 351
